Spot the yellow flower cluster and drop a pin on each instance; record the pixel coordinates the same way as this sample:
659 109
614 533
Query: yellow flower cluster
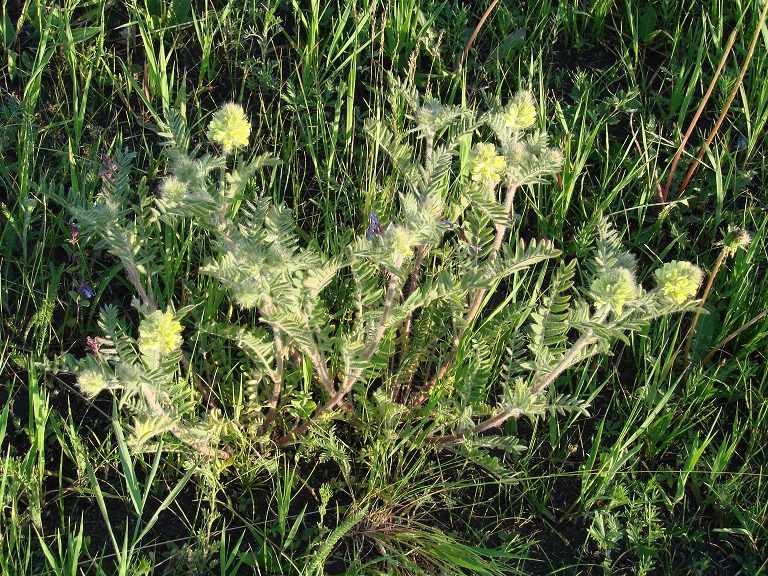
485 165
615 288
678 281
521 112
402 243
159 332
229 127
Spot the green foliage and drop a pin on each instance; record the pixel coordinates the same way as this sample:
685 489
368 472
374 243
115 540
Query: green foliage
353 340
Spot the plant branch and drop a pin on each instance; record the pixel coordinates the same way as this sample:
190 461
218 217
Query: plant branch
277 379
351 378
388 298
475 308
412 287
178 431
568 360
429 145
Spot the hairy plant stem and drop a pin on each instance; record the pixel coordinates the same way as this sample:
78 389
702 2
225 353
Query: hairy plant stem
414 278
135 279
351 378
570 357
315 354
277 380
177 430
429 138
411 288
477 302
388 298
568 360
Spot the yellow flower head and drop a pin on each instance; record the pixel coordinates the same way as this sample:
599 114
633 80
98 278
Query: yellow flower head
402 243
614 288
678 281
159 332
521 112
229 127
485 165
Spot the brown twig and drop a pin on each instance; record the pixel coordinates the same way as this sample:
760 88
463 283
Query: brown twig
731 336
476 31
696 117
727 106
704 295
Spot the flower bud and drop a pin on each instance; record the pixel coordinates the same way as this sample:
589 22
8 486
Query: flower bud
614 288
428 115
737 238
172 189
91 382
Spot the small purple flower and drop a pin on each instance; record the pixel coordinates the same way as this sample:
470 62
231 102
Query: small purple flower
84 289
92 345
374 227
74 232
109 169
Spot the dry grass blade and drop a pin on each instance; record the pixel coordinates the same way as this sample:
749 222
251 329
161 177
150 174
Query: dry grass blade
484 17
727 106
696 117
